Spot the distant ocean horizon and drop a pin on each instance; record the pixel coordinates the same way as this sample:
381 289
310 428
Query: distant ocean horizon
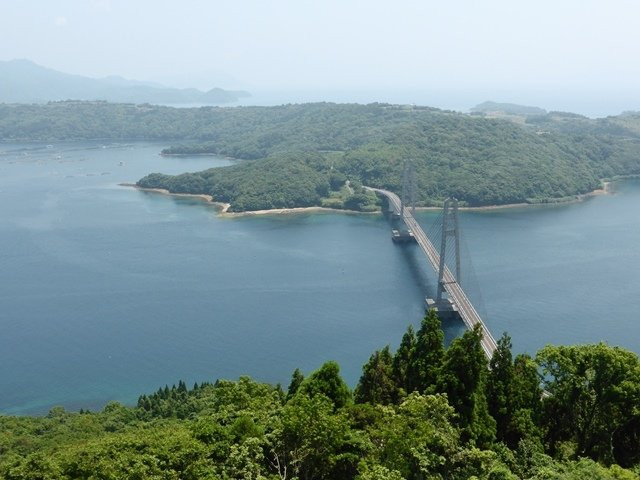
591 103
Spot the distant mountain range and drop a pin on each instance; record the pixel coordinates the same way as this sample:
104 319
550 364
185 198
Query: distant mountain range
22 81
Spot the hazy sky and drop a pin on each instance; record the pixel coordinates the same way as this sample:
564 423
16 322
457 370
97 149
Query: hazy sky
453 44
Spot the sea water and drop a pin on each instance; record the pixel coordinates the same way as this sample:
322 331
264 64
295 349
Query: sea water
108 292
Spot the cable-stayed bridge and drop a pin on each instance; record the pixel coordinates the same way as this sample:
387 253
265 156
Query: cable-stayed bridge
456 302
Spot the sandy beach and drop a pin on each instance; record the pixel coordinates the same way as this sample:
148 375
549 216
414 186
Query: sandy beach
283 211
223 207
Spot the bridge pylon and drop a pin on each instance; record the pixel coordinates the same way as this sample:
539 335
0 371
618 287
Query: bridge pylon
450 229
408 197
400 233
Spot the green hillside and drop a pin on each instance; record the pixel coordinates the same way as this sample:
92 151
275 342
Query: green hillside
508 108
479 160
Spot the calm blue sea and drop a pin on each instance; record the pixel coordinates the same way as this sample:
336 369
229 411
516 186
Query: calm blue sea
108 292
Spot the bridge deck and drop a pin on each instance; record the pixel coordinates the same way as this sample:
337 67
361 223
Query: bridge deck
455 292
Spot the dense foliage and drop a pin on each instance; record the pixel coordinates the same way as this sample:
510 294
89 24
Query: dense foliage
480 160
416 414
283 182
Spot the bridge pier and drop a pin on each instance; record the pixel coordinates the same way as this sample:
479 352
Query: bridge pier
402 236
445 309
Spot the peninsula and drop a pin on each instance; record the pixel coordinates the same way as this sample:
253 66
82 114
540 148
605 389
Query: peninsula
320 154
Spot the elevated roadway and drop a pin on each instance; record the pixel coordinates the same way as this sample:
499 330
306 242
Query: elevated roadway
454 290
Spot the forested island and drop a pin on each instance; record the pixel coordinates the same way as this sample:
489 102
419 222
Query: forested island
302 155
423 411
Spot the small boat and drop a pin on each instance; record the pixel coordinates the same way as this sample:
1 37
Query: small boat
121 163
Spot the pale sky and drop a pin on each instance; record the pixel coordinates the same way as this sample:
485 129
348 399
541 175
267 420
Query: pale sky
581 45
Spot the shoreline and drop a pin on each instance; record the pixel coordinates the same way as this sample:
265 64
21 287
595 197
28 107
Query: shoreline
604 190
194 155
287 211
223 208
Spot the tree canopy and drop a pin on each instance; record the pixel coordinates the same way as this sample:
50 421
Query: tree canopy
471 421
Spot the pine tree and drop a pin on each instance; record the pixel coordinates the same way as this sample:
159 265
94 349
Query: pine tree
513 395
462 378
427 355
296 380
500 386
526 391
525 397
182 387
376 385
402 359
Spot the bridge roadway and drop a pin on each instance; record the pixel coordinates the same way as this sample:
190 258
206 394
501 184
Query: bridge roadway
456 294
